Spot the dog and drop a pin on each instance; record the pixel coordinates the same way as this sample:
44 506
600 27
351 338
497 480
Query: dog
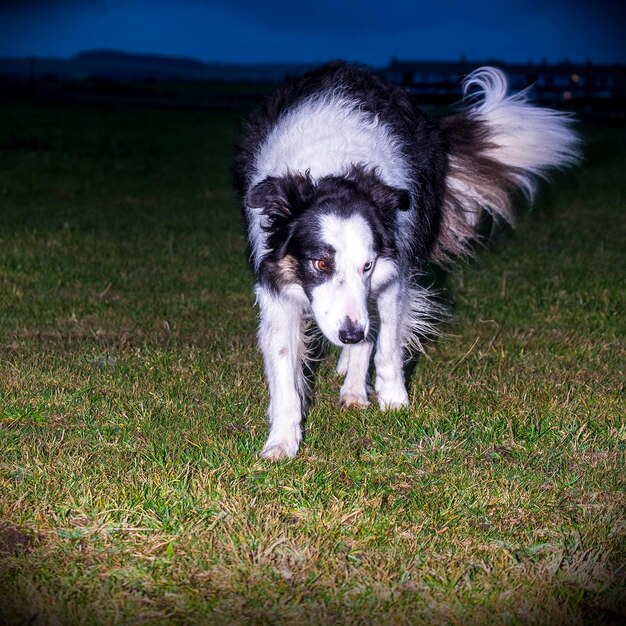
348 191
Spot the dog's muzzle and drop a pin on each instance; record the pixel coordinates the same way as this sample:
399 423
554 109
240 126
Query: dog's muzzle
351 332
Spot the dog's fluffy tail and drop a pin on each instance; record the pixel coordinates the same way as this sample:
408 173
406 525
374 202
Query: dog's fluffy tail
498 146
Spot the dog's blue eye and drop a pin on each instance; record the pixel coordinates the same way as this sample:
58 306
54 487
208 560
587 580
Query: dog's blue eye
368 266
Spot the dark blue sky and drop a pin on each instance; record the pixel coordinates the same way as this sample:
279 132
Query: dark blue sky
317 30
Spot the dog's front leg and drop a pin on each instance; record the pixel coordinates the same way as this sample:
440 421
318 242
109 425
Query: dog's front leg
390 387
281 342
354 363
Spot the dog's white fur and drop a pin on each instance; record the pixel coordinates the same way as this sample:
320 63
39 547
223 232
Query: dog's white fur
326 135
346 294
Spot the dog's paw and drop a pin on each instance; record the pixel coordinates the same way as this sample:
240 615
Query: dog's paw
392 405
392 399
277 450
350 400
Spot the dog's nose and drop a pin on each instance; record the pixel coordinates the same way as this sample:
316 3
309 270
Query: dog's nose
351 332
350 336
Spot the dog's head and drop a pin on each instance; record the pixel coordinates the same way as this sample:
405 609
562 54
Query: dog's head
334 238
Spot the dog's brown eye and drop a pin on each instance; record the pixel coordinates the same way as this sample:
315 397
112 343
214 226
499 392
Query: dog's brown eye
322 265
368 266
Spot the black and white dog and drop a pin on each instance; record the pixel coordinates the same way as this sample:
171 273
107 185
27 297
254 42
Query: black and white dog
348 190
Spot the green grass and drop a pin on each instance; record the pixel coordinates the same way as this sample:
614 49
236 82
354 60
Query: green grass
132 406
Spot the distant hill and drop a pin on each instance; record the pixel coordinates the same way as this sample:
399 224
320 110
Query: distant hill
115 65
160 80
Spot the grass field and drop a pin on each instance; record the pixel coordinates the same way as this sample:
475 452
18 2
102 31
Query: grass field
132 406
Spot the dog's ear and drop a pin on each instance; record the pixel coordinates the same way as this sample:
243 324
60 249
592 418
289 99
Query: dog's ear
281 200
390 198
282 197
267 194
